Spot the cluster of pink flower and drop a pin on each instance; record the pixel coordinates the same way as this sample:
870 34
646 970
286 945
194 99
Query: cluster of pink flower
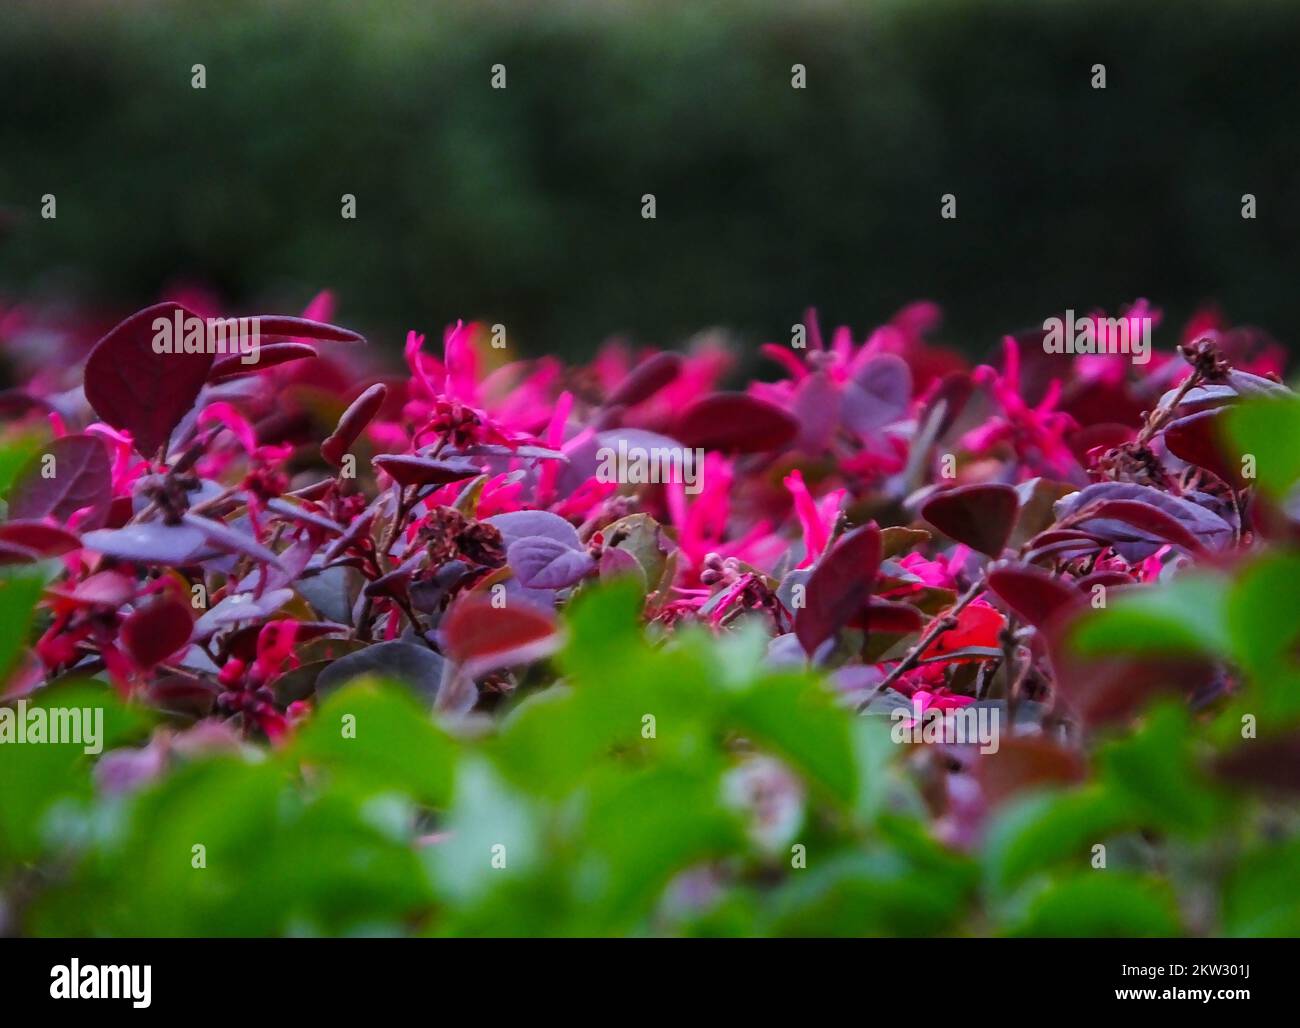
184 486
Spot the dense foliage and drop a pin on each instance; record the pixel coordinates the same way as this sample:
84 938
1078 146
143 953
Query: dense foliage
389 653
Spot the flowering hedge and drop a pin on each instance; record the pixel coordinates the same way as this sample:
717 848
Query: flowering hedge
885 645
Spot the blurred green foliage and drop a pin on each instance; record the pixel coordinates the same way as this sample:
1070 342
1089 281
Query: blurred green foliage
569 818
523 205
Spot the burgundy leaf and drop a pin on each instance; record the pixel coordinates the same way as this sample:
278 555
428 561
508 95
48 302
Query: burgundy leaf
1148 520
1021 763
1030 592
139 391
542 563
1200 439
102 589
302 328
13 553
888 616
483 636
981 516
155 631
408 469
353 422
268 356
953 392
838 587
1062 544
735 423
356 531
397 582
82 477
646 379
1110 579
45 539
1271 763
1106 436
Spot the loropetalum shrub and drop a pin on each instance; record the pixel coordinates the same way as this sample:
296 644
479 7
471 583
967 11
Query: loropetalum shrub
482 649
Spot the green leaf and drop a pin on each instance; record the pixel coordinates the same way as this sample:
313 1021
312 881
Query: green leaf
15 455
604 628
494 836
852 895
1049 829
38 776
640 828
18 595
1262 895
794 716
374 735
1262 624
1155 771
1267 429
1185 615
1101 903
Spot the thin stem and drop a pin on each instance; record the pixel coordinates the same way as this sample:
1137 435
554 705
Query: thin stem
1161 415
937 627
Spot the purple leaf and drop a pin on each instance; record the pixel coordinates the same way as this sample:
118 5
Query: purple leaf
981 516
293 512
838 587
1131 543
1148 520
615 562
408 469
410 663
239 607
82 478
149 543
543 563
878 394
224 537
519 524
817 406
139 391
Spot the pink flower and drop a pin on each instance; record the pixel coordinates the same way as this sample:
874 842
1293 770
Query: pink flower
1036 434
817 520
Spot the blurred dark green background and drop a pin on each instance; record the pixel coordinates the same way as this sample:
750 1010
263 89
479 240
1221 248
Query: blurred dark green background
523 205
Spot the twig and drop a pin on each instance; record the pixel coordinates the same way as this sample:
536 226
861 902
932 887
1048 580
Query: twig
937 627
